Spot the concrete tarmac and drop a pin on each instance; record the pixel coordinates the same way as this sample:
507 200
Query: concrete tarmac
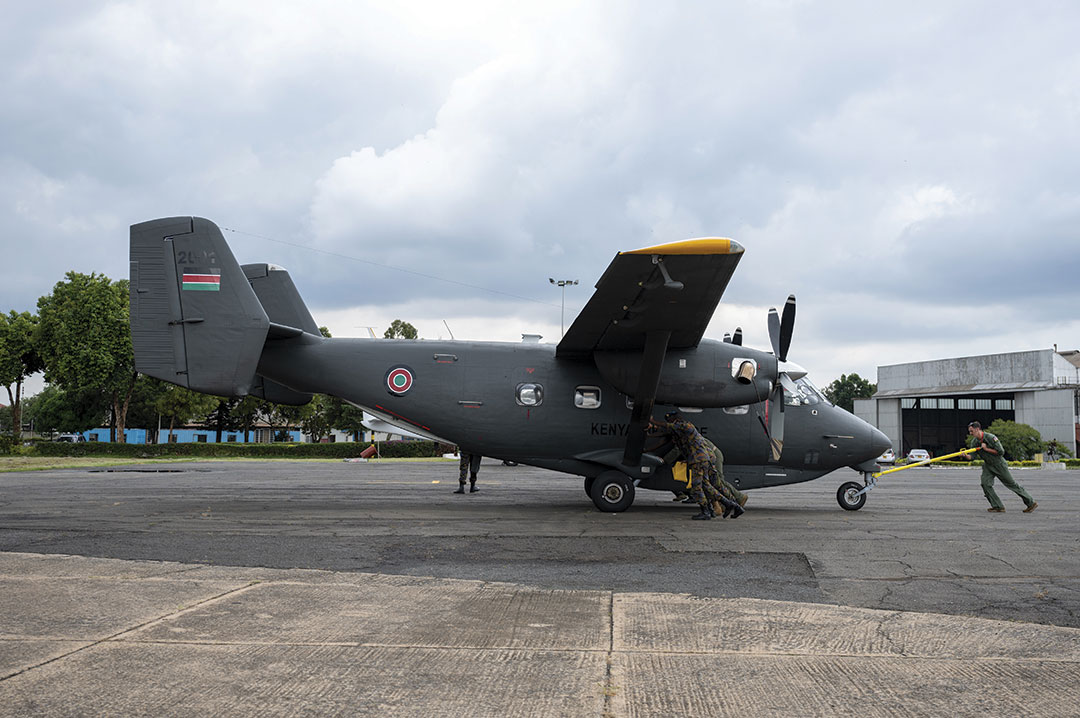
311 588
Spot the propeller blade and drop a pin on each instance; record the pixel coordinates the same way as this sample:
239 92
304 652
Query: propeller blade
736 338
776 423
787 325
774 331
787 383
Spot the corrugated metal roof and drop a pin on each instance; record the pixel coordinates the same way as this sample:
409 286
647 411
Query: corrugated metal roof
1072 356
967 389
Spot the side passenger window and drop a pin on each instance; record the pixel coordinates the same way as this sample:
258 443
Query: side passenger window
530 394
587 397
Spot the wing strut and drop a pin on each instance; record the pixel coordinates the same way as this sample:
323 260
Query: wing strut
652 361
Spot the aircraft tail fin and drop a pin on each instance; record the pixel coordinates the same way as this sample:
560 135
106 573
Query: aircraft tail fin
195 319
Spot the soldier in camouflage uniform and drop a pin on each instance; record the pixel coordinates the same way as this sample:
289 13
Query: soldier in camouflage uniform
988 448
698 461
469 464
738 498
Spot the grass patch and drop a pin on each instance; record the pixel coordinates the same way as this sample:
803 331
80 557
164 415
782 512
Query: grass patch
48 463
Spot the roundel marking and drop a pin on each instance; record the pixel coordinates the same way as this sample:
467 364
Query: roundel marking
399 380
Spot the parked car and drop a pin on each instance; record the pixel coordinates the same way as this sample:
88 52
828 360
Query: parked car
887 458
71 438
918 455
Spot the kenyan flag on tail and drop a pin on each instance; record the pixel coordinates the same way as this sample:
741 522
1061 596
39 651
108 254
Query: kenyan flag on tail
204 280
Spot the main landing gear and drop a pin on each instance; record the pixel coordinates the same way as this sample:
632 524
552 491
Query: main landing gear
611 491
852 495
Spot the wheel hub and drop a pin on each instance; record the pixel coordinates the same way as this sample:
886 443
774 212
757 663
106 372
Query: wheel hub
613 493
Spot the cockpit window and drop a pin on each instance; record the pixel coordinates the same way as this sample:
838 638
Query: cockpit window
806 394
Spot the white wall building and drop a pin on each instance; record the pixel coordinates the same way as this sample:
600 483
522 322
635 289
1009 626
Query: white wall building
928 405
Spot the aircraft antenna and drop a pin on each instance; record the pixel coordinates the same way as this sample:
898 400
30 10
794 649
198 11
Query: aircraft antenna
448 329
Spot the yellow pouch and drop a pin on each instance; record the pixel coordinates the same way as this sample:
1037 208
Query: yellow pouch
680 473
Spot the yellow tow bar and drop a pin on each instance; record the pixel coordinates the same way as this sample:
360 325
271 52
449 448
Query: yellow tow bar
852 496
925 462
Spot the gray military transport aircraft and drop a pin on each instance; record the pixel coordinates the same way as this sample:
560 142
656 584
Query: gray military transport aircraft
201 320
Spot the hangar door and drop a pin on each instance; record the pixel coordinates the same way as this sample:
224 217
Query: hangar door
939 423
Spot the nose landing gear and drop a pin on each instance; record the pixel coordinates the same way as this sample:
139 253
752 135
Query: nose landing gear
852 495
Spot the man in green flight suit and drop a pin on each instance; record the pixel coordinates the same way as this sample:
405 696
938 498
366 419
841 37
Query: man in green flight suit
988 448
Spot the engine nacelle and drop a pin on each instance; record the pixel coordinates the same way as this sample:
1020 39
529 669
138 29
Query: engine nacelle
714 374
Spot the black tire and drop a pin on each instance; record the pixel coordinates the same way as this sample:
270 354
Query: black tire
612 492
845 496
589 481
510 463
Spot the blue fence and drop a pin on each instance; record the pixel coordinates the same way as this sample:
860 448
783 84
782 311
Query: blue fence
183 436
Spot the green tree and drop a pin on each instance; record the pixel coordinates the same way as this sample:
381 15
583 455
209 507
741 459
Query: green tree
221 418
316 421
142 409
182 405
287 417
325 332
54 409
84 340
1020 441
246 413
345 417
844 391
18 360
400 330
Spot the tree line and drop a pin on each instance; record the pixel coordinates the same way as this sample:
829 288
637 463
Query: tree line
80 338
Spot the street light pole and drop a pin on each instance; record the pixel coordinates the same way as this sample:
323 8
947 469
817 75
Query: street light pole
561 283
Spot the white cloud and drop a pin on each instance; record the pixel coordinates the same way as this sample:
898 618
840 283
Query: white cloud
858 152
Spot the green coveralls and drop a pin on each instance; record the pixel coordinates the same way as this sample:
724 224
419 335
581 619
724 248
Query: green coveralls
994 466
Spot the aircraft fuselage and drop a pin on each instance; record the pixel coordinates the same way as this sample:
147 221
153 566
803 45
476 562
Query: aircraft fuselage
467 393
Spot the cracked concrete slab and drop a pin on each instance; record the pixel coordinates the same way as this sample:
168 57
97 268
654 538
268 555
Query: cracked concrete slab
660 685
433 614
301 642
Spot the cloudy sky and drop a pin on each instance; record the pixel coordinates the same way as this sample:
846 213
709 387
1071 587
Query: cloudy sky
909 170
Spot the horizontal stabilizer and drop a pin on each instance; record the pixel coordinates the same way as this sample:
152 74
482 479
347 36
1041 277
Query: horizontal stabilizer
277 393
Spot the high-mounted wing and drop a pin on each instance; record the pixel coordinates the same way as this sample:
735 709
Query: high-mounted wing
667 288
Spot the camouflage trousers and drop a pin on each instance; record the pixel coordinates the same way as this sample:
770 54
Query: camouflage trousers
723 486
702 478
469 464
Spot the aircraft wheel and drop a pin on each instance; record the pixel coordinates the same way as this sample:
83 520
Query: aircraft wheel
612 491
846 496
589 481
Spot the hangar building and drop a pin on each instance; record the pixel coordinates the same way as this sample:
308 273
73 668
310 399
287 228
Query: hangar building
928 405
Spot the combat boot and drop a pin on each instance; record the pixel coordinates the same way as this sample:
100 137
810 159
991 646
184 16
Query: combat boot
705 515
472 488
731 508
460 488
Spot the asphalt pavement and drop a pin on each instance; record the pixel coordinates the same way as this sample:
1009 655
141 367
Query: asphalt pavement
296 588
